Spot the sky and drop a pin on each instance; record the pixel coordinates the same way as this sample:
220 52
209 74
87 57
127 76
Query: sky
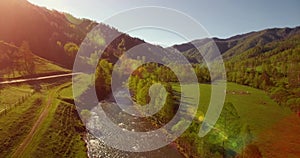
222 18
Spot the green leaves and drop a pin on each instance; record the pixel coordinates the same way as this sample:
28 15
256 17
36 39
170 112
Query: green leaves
103 79
71 49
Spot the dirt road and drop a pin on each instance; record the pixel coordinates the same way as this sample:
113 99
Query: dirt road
19 151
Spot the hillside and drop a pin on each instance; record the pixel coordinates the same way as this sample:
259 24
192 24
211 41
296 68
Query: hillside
267 59
238 44
50 34
12 62
26 24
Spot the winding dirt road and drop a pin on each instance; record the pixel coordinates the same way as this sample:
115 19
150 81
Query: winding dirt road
22 147
19 151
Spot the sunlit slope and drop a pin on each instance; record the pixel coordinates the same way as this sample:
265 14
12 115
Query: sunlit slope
12 63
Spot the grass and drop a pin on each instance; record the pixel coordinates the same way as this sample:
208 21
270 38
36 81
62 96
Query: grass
267 120
42 66
16 124
10 95
67 92
45 66
61 134
255 108
63 137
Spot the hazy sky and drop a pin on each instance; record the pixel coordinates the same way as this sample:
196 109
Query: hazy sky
222 18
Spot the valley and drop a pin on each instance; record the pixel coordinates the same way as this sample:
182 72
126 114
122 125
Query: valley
42 115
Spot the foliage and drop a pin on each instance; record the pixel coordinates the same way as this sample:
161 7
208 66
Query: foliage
71 49
27 58
103 79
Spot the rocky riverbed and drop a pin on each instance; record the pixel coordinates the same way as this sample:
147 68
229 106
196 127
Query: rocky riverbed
98 149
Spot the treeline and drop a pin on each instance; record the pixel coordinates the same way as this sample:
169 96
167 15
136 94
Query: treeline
144 76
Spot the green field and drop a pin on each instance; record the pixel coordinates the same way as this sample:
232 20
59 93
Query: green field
62 132
59 133
17 122
254 106
261 113
11 95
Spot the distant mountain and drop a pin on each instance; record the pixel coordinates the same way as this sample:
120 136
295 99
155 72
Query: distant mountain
237 45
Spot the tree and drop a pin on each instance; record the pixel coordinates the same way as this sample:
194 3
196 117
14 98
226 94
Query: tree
103 79
9 59
27 58
71 49
142 95
132 85
294 74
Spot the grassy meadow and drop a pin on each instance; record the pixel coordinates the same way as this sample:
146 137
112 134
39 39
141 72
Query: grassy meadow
270 123
60 131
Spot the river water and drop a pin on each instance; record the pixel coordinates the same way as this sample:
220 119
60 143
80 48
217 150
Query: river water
98 149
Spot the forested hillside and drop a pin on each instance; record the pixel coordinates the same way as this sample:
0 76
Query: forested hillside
268 60
274 67
240 43
52 35
21 62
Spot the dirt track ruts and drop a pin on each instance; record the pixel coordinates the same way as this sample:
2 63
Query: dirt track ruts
19 151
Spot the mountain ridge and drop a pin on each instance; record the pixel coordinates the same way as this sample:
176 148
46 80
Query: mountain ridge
61 29
238 44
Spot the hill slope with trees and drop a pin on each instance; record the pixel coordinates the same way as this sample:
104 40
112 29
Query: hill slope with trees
52 35
20 62
267 59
